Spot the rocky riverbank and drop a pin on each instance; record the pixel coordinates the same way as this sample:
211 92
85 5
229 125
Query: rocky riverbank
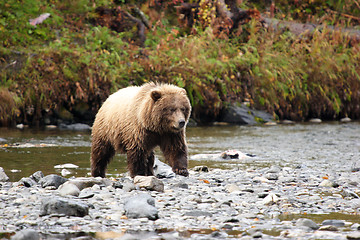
268 203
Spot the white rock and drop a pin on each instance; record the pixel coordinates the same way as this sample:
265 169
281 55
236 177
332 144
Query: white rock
149 182
66 165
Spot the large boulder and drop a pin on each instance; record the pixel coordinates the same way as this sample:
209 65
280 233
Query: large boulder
243 115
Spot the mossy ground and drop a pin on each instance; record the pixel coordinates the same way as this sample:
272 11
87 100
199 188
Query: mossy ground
70 62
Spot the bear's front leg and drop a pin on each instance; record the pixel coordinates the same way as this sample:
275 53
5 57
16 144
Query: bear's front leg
177 158
140 162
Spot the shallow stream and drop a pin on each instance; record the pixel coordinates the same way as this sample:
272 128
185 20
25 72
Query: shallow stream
330 146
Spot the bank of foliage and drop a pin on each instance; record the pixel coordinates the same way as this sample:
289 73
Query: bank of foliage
67 65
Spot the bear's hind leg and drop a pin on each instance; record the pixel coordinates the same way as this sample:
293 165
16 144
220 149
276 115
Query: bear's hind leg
101 154
140 163
150 164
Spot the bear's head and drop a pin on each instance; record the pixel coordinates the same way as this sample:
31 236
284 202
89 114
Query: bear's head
169 109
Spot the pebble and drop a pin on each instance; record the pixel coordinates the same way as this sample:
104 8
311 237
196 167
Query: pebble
218 204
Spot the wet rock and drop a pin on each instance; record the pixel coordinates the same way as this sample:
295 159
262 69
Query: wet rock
328 228
26 234
141 206
201 169
66 165
304 222
232 154
2 140
162 170
334 222
3 176
353 236
37 176
59 206
315 120
27 182
75 127
149 182
345 120
52 180
244 115
68 189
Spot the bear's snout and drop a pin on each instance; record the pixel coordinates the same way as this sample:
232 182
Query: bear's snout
181 123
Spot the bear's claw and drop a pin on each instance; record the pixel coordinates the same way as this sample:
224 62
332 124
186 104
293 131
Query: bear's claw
182 171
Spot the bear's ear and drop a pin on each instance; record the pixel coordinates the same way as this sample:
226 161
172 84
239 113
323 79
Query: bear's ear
155 95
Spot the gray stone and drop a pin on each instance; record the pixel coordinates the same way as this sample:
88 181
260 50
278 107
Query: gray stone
334 222
86 193
68 189
162 170
26 234
37 176
128 185
149 182
307 223
52 180
3 176
27 182
59 206
141 206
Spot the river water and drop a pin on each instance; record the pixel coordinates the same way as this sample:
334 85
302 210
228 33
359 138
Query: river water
333 147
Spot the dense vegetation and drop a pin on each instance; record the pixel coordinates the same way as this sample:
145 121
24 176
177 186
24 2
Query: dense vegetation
67 65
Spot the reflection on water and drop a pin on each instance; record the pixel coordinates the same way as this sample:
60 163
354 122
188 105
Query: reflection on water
329 145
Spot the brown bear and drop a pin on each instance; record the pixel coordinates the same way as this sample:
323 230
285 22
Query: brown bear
135 120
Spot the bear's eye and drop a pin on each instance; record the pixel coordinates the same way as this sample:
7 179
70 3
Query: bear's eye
183 109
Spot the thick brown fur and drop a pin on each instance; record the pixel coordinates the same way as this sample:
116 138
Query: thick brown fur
135 120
